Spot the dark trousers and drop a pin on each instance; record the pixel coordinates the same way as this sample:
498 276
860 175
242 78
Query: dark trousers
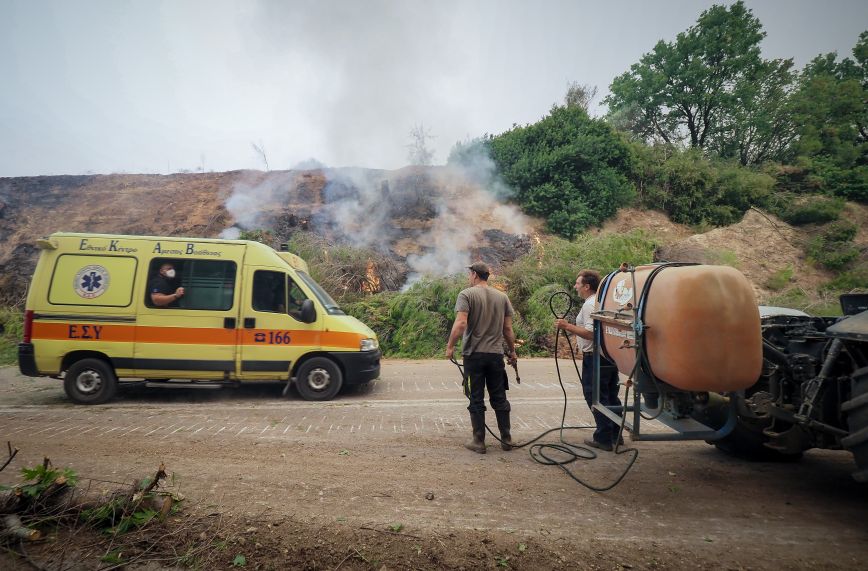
607 430
485 370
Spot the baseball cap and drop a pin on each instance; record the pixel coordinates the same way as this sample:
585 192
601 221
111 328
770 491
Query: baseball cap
481 269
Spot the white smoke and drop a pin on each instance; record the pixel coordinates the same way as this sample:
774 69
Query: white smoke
253 199
356 206
433 217
231 233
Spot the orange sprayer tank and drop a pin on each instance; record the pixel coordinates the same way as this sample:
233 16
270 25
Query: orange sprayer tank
703 326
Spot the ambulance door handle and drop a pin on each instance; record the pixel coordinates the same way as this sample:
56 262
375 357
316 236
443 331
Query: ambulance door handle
228 323
250 323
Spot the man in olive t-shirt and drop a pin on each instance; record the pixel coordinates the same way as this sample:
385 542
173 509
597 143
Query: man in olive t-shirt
483 317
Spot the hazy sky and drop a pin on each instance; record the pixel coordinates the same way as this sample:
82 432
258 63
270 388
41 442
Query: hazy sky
153 87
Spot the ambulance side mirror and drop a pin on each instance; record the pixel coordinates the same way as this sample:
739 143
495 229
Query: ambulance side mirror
308 311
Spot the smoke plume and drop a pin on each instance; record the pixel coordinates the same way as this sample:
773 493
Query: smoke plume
434 219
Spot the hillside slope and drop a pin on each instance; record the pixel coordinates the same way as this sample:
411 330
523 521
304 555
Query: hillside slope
427 219
430 219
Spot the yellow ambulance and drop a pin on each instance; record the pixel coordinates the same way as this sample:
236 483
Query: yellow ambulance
104 307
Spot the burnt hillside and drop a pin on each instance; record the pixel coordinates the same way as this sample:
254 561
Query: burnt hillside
423 218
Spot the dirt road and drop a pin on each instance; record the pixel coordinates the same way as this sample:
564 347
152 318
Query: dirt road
390 453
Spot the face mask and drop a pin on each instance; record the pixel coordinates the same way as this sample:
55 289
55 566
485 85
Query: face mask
170 274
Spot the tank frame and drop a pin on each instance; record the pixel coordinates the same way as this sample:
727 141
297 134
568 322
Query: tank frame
673 408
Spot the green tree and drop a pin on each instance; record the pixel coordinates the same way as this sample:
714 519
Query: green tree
758 125
568 168
709 89
831 107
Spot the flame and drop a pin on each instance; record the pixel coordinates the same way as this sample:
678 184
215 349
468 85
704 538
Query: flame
542 251
372 284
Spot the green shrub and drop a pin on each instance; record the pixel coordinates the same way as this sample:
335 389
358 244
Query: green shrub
848 182
535 323
567 168
780 279
696 190
414 323
840 232
724 258
558 261
853 280
815 209
739 188
830 256
12 322
834 248
373 311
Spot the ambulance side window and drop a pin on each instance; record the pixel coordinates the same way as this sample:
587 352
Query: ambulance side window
209 285
295 298
269 291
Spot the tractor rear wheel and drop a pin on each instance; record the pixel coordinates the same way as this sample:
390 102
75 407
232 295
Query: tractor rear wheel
856 410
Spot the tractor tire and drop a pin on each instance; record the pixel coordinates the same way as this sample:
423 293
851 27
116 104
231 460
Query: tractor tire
856 410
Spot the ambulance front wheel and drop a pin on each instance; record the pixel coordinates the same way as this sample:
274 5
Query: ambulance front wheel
319 379
90 381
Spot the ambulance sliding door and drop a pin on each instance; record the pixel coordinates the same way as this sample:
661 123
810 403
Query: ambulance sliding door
194 337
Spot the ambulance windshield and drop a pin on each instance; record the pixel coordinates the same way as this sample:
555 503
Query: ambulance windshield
324 298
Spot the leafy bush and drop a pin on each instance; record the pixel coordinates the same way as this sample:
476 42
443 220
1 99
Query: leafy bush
558 261
693 189
535 323
739 188
12 323
834 247
567 168
780 279
414 323
814 209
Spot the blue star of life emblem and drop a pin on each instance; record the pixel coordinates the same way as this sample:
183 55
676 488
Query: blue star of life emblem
91 281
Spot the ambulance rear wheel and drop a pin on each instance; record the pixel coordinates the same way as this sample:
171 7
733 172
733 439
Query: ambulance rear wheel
90 381
319 379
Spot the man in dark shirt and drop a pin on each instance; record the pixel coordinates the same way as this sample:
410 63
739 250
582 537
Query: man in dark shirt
483 317
163 292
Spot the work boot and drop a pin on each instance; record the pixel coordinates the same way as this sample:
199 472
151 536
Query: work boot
598 445
503 426
477 443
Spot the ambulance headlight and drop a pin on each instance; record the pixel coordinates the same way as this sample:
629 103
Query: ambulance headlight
369 344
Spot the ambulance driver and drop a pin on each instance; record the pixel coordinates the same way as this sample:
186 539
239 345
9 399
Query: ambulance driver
163 292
